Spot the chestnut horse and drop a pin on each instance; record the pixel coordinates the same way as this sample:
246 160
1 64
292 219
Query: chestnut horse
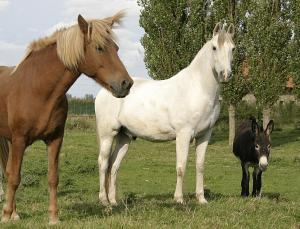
33 103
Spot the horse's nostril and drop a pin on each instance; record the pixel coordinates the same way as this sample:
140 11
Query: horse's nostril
125 84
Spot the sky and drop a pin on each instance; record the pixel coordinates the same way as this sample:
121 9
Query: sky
23 21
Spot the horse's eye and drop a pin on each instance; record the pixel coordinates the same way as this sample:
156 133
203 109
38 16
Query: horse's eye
99 49
214 48
269 146
257 147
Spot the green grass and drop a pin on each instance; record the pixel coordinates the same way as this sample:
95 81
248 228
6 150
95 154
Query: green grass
146 183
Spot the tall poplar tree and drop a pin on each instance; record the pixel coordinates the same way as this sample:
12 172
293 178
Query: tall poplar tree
267 50
174 32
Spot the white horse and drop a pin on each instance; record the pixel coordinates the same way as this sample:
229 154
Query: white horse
183 107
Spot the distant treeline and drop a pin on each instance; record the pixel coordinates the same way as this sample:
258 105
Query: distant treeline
81 106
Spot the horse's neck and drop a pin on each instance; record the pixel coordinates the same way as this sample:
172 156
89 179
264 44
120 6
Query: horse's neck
201 71
50 76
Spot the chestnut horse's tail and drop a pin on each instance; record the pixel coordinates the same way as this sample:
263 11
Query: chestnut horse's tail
4 151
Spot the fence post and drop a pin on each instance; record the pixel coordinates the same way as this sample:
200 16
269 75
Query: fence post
231 116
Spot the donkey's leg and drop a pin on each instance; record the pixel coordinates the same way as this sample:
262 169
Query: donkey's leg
255 181
201 146
182 148
53 156
122 144
245 180
103 162
13 169
258 186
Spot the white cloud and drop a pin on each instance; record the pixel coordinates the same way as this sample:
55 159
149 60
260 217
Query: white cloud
4 4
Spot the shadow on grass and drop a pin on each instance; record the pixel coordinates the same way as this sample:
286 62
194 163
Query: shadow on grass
275 196
132 201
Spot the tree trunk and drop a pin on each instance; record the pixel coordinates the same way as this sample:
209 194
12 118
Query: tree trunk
266 116
231 115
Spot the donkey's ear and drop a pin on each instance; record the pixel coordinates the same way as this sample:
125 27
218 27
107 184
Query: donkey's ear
83 25
269 127
217 28
230 30
254 126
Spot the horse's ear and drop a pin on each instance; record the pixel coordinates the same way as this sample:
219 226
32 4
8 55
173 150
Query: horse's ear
270 127
254 126
115 19
217 28
83 25
230 30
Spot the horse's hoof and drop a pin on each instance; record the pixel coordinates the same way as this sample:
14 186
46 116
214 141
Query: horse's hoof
104 202
179 200
113 202
53 221
15 216
202 201
4 219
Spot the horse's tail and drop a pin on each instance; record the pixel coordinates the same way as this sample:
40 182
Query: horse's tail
4 151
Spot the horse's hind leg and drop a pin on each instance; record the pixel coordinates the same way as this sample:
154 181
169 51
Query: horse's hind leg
53 155
103 162
13 169
122 144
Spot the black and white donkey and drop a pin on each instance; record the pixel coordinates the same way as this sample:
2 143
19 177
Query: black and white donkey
252 146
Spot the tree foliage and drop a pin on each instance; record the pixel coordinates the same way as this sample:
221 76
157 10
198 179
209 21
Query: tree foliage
174 33
267 43
267 40
294 65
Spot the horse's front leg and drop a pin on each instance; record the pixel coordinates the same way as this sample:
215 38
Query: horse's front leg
13 169
201 146
182 148
53 156
103 162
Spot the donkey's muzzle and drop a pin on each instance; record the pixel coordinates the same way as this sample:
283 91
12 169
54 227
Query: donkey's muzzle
263 163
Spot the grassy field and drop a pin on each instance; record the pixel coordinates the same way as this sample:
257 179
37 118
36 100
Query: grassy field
147 181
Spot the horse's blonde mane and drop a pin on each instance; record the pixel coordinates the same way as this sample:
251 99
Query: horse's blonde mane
70 40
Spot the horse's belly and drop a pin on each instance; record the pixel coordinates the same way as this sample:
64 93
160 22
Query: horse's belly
149 128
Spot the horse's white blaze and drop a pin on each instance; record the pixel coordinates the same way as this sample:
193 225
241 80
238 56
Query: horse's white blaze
183 107
263 163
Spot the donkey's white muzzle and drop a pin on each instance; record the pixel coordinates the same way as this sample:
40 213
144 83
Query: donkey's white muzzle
263 163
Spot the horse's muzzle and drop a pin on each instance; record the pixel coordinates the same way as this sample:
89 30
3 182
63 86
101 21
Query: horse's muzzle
225 76
120 91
